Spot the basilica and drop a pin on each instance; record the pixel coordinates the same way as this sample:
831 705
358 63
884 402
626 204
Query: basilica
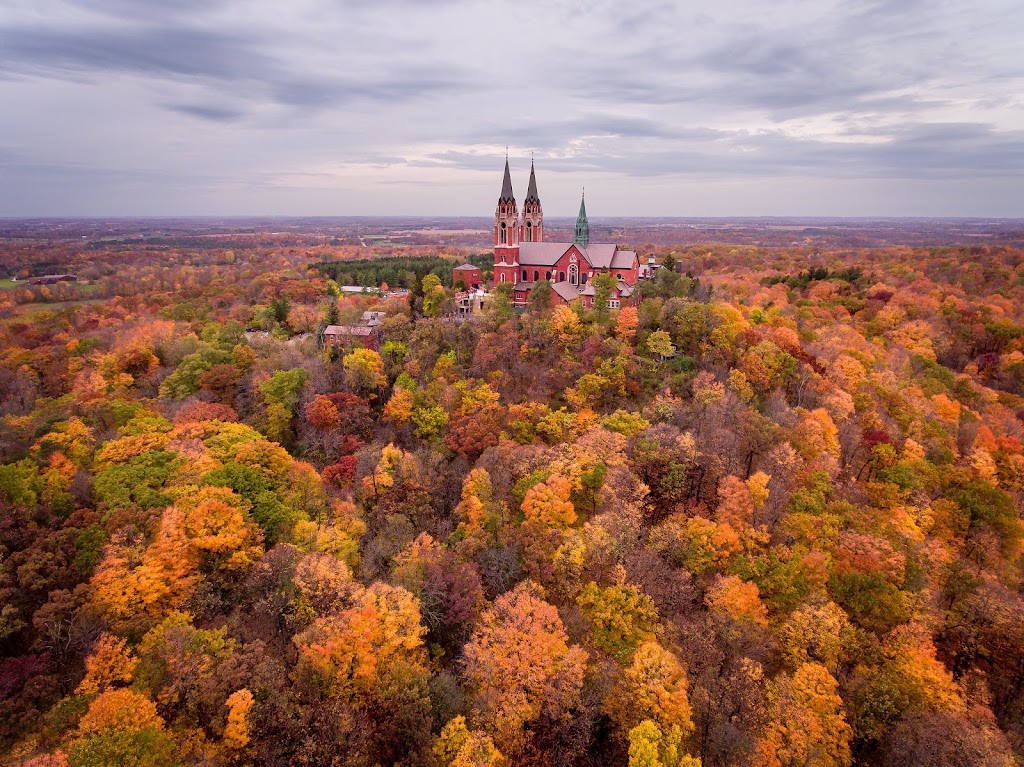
523 257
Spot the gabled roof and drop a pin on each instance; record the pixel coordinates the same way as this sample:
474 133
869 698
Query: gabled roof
465 268
542 253
565 290
623 259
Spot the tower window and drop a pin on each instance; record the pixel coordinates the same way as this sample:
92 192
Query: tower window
502 276
504 234
529 232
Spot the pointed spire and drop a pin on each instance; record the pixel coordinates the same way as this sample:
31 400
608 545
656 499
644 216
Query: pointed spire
506 185
531 191
582 236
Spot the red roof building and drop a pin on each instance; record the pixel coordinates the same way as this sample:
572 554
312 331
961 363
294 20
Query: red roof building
467 274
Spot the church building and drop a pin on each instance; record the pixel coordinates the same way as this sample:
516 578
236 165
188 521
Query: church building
523 257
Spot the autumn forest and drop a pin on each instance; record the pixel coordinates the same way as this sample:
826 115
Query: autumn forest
769 515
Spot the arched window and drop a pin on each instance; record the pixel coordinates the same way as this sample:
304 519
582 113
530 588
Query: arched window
524 274
503 276
584 278
536 275
504 234
547 276
561 276
529 232
574 274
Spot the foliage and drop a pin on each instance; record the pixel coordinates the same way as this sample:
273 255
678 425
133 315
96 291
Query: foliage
768 515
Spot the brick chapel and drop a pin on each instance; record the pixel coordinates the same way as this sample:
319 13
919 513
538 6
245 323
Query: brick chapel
523 257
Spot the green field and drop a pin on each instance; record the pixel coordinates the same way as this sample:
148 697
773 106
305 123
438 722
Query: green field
9 284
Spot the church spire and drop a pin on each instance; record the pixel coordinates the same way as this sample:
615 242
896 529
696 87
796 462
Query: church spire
531 190
582 236
506 221
506 186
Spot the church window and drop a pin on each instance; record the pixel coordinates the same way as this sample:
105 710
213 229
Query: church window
504 234
561 276
529 232
585 275
536 275
547 275
502 276
574 274
524 274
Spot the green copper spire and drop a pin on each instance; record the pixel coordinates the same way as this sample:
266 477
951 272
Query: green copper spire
582 225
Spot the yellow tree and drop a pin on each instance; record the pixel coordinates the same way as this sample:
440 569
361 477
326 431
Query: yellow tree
649 746
400 406
653 687
622 617
738 600
548 503
807 727
364 370
735 503
459 746
236 732
111 663
626 324
659 342
216 523
347 653
122 727
134 589
565 324
520 665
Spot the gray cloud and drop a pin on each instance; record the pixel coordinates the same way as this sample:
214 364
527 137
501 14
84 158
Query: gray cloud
360 106
212 113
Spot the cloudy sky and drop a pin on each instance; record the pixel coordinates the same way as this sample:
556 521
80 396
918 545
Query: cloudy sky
376 107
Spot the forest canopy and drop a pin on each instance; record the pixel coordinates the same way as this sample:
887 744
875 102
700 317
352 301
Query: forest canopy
769 515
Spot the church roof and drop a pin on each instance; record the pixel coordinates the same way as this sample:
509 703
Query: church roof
623 259
506 186
531 190
599 255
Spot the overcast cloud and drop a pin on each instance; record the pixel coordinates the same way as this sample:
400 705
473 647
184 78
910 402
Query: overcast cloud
376 107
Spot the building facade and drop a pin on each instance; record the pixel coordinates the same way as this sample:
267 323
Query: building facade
523 257
468 275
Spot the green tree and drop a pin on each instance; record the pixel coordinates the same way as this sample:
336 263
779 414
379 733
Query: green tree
540 297
281 393
604 284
